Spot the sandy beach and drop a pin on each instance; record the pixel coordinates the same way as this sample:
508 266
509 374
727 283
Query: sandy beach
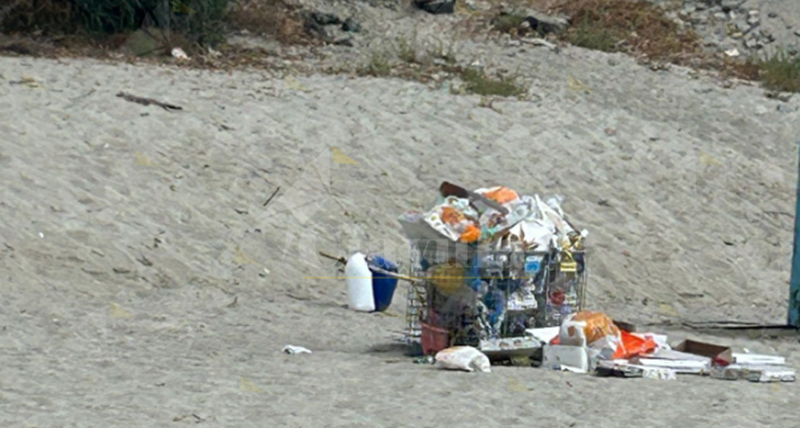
145 284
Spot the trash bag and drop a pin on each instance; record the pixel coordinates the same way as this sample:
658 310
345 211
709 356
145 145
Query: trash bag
464 358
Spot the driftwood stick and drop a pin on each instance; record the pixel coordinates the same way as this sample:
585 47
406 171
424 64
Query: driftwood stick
147 101
342 260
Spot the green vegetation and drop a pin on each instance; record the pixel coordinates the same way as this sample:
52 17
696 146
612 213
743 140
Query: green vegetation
587 35
477 82
202 21
780 72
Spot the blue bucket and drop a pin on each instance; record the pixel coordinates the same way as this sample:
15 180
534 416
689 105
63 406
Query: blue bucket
382 286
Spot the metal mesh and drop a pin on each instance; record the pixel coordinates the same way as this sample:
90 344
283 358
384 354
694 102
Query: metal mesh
478 294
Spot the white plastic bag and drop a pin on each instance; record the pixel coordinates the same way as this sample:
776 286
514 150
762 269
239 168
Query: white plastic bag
291 350
359 284
463 358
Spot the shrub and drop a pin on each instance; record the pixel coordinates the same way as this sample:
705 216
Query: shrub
780 72
477 82
200 20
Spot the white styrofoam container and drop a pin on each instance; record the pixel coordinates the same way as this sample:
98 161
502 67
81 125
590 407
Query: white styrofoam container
563 357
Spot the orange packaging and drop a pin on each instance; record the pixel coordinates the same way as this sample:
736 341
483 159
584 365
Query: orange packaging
471 234
598 332
588 326
502 195
451 215
633 346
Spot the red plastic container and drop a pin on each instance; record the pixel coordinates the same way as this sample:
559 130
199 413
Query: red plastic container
434 339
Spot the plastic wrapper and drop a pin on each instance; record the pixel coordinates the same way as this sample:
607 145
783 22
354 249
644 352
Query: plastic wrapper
633 345
455 219
502 195
659 374
464 358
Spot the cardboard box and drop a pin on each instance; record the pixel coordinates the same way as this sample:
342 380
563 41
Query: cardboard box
563 357
717 353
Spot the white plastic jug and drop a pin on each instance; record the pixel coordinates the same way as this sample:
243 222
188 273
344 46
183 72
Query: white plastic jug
359 284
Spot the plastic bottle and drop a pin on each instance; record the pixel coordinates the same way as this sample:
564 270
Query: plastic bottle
359 284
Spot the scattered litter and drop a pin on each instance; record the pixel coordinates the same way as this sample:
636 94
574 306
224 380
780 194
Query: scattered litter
510 347
754 373
464 358
772 374
617 368
240 258
576 85
540 42
769 360
544 334
294 84
179 54
732 52
659 374
678 366
143 160
28 82
291 350
427 359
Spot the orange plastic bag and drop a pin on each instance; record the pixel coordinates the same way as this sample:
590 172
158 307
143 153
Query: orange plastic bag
631 346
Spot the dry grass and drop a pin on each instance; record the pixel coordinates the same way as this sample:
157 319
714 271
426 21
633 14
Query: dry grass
379 65
270 18
636 26
406 62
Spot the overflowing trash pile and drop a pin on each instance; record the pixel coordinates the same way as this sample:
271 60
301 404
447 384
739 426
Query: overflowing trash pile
488 265
498 277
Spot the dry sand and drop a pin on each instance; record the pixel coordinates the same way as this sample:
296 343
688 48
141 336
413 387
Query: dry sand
103 200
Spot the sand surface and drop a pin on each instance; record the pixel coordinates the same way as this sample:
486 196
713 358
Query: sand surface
127 233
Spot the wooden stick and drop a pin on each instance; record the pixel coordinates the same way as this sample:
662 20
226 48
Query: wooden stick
147 101
374 268
272 196
341 260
